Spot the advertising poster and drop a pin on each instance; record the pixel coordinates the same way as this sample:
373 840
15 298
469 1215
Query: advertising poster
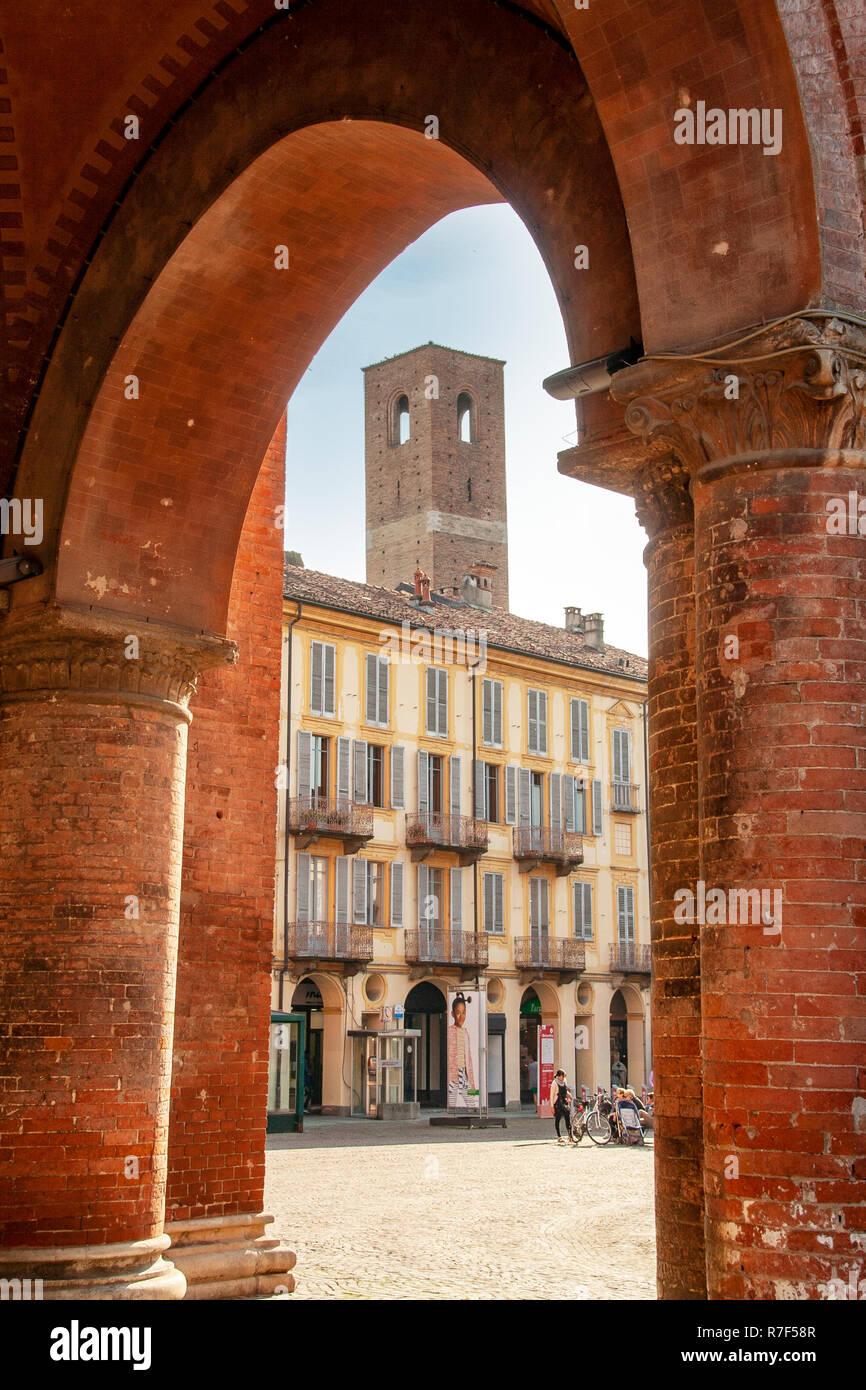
545 1067
466 1009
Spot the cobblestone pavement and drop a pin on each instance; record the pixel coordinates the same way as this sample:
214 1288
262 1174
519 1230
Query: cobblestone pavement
406 1211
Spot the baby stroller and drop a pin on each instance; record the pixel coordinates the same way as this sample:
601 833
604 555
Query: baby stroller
628 1126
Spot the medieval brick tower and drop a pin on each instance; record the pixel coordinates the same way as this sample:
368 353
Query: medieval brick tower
435 466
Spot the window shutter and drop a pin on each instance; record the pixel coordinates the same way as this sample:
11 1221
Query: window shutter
383 691
621 755
329 679
442 704
568 793
533 903
431 700
302 871
532 721
555 801
359 890
542 721
454 773
499 902
580 731
344 769
342 896
398 778
597 826
583 911
511 795
396 894
359 771
487 711
625 915
316 659
422 896
544 903
524 798
488 902
497 713
456 899
305 758
481 807
423 783
580 806
370 700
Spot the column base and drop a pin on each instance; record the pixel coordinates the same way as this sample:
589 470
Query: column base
130 1270
231 1257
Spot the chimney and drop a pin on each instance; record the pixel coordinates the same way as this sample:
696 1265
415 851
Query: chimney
593 631
425 588
477 588
418 576
573 620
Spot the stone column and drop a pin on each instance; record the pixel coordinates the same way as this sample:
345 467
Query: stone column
93 734
771 430
665 510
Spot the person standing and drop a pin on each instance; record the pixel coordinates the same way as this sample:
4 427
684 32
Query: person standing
561 1100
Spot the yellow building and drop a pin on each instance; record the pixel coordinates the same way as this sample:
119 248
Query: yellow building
462 797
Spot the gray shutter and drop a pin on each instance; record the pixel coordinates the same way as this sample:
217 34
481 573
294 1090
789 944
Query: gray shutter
580 806
499 902
544 903
398 778
511 795
454 774
524 797
359 890
359 774
396 894
487 711
533 904
587 911
342 893
431 700
383 691
555 801
542 721
344 769
481 807
497 713
302 874
597 826
330 682
621 755
532 720
422 894
488 903
305 759
568 797
423 783
456 899
580 731
442 704
370 689
316 656
625 915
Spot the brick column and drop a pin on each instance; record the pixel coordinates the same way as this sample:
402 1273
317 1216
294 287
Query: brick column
93 730
773 436
665 510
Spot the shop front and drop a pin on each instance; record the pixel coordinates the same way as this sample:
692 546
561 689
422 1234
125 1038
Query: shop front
286 1073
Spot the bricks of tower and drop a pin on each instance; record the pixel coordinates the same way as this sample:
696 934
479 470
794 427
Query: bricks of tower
437 500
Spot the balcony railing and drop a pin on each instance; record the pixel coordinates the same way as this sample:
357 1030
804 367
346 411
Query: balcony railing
624 797
636 960
548 953
330 941
436 946
539 843
343 819
428 830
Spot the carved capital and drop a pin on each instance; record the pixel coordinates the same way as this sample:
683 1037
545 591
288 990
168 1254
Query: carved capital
62 653
798 385
662 497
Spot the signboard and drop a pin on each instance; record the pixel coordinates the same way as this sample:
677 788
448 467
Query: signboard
466 1011
546 1044
399 1015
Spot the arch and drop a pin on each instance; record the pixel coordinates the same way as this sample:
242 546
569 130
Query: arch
467 418
324 1054
401 424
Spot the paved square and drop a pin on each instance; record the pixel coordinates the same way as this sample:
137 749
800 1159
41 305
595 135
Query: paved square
403 1211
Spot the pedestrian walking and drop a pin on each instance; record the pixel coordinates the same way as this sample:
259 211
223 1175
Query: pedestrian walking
561 1100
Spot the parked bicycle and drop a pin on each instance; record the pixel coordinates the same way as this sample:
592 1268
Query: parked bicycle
593 1120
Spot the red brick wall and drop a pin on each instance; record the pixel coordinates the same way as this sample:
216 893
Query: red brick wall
220 1063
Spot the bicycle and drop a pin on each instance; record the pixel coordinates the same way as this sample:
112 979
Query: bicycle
593 1121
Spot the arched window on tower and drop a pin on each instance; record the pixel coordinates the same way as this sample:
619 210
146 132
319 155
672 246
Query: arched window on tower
465 420
400 424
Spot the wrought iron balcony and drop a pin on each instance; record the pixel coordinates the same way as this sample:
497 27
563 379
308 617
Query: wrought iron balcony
634 960
330 941
428 831
624 797
437 946
543 954
538 844
311 817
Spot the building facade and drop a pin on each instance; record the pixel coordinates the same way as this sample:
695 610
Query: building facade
463 798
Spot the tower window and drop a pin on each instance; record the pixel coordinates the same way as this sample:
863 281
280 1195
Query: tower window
466 431
400 423
469 489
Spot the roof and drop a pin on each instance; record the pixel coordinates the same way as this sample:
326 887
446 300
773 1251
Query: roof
421 347
504 630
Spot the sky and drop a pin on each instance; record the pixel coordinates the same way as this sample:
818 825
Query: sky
476 282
